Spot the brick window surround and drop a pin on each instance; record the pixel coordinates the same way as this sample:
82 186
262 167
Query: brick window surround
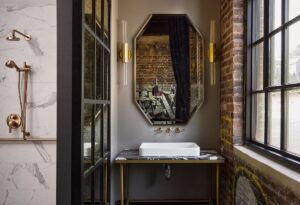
232 61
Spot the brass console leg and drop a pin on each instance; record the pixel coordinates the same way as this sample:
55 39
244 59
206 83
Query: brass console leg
122 183
217 184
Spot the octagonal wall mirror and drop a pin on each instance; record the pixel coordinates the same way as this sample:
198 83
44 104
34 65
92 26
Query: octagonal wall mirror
168 69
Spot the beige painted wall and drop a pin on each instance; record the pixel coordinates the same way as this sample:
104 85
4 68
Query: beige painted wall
188 181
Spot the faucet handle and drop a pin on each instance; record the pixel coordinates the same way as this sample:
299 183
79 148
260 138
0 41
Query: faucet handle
13 121
169 130
158 130
178 129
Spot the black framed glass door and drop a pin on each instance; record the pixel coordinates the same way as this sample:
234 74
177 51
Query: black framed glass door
95 114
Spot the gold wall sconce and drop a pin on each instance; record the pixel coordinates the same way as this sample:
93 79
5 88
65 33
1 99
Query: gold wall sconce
12 36
124 53
212 53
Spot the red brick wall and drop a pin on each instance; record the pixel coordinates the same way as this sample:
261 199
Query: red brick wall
231 82
154 62
227 110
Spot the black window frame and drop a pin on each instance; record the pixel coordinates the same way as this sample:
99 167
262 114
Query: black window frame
70 41
279 154
99 102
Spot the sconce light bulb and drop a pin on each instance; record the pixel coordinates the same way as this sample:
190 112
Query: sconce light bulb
125 53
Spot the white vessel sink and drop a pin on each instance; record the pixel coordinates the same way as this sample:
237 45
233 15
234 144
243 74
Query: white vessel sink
179 149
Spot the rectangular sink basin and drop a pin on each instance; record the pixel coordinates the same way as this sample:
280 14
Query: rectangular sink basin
176 149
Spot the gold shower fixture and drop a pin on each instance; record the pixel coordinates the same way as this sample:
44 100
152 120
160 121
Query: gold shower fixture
13 37
14 121
12 64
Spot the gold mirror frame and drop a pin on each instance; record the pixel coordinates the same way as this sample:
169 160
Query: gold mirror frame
135 68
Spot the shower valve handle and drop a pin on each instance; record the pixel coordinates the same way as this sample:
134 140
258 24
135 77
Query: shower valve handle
13 121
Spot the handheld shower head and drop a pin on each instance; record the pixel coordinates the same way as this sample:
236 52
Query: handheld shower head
11 64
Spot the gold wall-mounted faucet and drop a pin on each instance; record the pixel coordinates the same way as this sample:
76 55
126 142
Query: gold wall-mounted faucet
168 130
158 130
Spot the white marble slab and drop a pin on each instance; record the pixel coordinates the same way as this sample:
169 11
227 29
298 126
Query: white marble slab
28 170
41 109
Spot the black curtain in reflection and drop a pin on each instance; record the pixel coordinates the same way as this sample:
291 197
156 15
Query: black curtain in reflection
179 47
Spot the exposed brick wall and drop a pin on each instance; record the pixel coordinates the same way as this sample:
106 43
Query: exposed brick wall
227 110
232 112
154 63
271 192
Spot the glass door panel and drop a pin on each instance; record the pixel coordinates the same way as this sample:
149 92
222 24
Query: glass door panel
95 102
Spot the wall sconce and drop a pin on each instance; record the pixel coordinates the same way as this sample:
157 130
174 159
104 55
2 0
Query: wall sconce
212 53
125 54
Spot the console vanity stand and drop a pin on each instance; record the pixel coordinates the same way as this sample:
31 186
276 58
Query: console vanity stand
208 157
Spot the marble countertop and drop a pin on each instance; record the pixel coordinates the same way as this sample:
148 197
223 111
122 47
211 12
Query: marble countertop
132 156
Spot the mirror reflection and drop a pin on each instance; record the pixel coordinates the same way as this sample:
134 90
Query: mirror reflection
169 69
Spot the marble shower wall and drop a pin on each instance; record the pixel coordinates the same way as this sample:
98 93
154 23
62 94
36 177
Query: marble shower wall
28 170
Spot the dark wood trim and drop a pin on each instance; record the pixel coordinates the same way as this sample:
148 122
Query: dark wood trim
68 102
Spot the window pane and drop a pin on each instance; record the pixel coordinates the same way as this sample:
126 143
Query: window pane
88 13
293 121
99 185
258 19
87 135
293 55
89 75
98 132
258 74
258 117
99 72
106 20
275 59
274 117
87 190
105 130
275 14
293 8
98 18
106 75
